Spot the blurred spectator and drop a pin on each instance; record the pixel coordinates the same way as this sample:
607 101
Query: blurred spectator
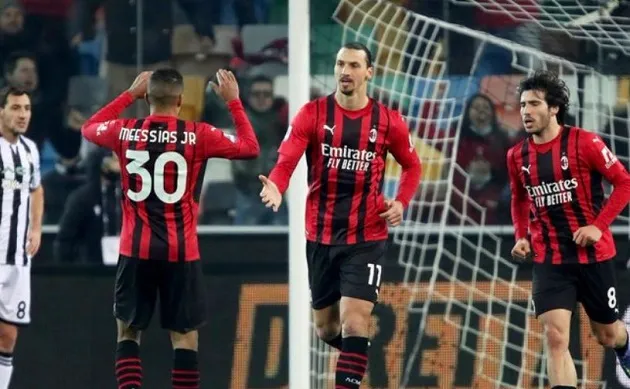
89 51
485 190
86 95
481 134
58 184
47 23
157 30
272 57
269 118
240 12
91 212
12 35
21 71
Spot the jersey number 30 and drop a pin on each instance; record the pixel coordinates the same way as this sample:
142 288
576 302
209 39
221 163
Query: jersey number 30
137 159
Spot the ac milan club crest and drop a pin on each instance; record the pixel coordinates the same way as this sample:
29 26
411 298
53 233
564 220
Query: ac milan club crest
372 137
564 162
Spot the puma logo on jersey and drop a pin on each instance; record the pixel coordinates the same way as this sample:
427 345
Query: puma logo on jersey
526 168
330 129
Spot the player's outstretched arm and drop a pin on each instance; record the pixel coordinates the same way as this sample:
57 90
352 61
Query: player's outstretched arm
602 160
402 148
519 208
216 143
292 148
102 127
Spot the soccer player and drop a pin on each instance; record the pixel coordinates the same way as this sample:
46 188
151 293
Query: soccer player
21 210
346 137
556 177
162 162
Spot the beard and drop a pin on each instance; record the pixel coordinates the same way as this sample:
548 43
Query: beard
15 131
544 123
348 92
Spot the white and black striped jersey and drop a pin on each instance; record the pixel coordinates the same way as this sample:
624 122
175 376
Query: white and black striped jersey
19 169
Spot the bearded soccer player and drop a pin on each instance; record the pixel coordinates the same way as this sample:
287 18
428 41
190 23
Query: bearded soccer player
162 163
346 137
556 175
22 207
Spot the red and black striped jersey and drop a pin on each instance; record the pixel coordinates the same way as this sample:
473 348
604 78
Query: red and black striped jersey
346 153
162 162
557 187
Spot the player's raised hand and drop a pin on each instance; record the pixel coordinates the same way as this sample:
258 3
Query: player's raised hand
587 235
522 250
138 88
226 86
33 241
394 213
270 194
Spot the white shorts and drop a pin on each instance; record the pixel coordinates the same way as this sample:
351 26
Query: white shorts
15 294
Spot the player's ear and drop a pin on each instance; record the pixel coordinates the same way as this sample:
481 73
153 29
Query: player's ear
554 110
180 98
370 71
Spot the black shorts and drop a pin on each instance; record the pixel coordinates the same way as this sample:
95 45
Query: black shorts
353 270
562 286
180 288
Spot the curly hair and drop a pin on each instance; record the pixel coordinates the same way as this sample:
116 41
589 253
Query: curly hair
556 90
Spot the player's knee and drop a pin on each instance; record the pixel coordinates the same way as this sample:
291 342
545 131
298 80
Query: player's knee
327 331
127 333
8 337
557 340
188 340
606 336
355 325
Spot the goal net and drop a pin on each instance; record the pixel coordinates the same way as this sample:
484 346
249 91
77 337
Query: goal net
462 316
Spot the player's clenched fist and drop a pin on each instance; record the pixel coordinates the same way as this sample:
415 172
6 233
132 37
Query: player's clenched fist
394 213
227 86
270 195
587 235
522 250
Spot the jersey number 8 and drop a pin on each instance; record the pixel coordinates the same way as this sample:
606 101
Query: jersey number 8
137 159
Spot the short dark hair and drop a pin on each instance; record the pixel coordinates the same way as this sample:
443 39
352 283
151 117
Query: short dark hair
11 91
556 90
10 64
165 86
361 47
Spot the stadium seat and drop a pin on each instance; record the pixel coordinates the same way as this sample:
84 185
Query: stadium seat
623 90
256 36
194 92
432 163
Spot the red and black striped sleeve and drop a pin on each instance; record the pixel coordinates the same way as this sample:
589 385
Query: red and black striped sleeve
216 143
601 159
402 148
520 202
103 127
293 146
